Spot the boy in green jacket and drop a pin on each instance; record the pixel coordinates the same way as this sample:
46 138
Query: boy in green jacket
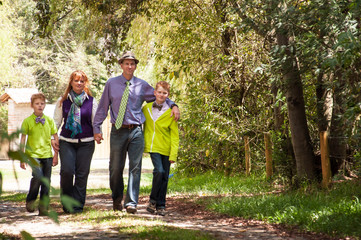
161 140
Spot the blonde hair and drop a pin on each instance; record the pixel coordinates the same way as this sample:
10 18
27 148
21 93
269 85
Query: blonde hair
71 78
37 96
163 84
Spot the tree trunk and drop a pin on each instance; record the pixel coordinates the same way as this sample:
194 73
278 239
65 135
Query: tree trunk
324 104
301 140
278 116
337 141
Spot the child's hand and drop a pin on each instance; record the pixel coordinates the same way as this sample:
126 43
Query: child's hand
23 165
98 137
55 144
55 160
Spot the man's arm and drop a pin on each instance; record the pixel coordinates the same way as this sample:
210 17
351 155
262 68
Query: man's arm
174 141
102 110
101 114
175 112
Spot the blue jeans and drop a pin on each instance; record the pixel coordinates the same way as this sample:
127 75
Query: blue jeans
161 169
36 182
75 159
123 141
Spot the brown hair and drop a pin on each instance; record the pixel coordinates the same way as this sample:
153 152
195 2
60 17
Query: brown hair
37 96
163 84
72 76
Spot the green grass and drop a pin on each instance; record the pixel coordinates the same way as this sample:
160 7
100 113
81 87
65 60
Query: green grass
336 212
12 197
134 226
169 233
217 183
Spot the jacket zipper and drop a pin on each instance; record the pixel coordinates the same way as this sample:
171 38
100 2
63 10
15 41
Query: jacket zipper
151 116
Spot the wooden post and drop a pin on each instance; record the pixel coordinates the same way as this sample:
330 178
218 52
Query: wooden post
247 155
325 159
268 152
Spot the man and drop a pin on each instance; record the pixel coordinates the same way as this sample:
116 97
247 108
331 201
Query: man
124 96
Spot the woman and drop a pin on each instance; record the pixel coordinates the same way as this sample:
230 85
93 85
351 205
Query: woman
76 110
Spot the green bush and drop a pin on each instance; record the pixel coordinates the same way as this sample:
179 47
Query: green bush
3 118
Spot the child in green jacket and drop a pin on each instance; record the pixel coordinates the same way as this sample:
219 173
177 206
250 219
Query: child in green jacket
161 140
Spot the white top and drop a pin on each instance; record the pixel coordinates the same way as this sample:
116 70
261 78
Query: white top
58 119
157 113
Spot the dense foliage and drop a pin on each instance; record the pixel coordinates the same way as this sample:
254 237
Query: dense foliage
242 62
28 60
237 68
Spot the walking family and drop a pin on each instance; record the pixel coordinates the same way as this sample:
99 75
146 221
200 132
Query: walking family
80 118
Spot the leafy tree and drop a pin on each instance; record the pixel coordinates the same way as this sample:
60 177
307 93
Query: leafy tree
198 49
305 34
237 68
11 72
48 62
106 20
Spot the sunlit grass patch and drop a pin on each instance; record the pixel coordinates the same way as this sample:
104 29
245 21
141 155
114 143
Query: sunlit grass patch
93 191
217 183
133 225
162 232
12 197
335 212
97 217
145 186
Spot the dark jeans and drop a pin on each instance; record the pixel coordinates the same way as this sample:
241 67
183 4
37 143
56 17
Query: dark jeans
123 141
75 159
37 181
160 179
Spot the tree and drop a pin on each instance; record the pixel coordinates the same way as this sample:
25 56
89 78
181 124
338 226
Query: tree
45 63
306 34
106 20
223 57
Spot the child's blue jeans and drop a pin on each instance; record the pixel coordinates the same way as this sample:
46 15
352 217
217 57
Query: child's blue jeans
36 182
160 179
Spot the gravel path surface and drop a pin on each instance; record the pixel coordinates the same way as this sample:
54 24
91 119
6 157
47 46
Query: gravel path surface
182 213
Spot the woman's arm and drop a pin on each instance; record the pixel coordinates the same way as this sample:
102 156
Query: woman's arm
58 114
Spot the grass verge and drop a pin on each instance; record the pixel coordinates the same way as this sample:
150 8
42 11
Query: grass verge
335 211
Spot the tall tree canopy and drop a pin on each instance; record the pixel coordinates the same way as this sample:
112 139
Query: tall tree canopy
237 68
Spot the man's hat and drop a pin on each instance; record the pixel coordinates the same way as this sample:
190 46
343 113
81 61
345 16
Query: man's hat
128 55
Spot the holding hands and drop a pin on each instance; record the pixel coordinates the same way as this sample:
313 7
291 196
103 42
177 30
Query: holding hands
98 137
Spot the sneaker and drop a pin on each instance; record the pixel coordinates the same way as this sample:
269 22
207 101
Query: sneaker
43 211
131 209
161 212
117 205
151 207
78 210
66 210
30 206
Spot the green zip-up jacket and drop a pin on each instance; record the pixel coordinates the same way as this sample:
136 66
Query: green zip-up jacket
162 135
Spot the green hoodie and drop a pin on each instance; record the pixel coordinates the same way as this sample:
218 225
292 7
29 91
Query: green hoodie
162 135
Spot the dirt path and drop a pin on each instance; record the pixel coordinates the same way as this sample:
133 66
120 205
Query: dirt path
182 214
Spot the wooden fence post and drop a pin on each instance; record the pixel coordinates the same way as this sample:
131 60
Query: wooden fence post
268 152
325 159
247 155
